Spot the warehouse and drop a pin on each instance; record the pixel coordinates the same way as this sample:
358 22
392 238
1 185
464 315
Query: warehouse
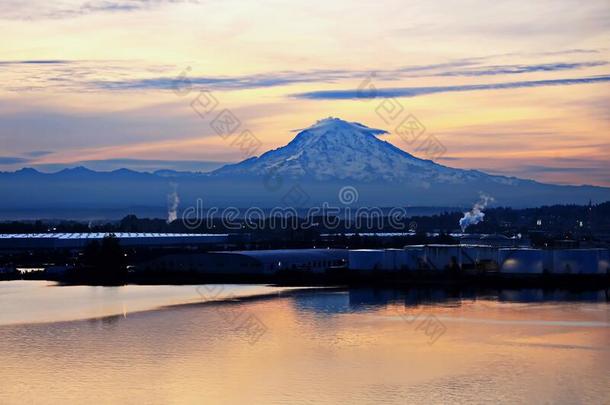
250 262
314 260
442 257
394 260
494 240
48 241
478 257
467 259
366 259
414 256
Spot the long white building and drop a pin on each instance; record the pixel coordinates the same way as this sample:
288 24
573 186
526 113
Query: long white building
44 241
512 260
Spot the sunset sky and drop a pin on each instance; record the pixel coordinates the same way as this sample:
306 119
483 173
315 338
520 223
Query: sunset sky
519 88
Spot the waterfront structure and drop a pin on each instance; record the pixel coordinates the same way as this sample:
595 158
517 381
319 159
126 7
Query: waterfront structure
250 261
48 241
465 259
580 261
366 259
521 261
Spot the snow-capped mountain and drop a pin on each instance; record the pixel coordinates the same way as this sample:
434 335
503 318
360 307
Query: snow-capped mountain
309 171
333 153
334 149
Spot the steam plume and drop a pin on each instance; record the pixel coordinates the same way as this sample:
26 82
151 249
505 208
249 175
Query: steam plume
172 204
476 214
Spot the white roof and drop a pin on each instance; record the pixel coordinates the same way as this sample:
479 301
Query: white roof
100 235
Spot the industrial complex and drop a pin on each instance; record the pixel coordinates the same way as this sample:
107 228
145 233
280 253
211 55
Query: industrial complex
267 262
216 254
428 259
481 258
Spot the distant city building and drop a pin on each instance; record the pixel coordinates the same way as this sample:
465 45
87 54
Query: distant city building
495 240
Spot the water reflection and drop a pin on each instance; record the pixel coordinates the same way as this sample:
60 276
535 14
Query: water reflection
336 346
44 301
366 299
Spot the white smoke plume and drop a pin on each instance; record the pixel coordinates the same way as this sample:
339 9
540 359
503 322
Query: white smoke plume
476 214
172 204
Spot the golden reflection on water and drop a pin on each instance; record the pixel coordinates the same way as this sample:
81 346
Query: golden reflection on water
47 301
355 346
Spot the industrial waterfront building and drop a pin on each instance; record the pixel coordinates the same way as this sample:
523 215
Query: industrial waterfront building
262 262
50 241
430 259
464 258
213 256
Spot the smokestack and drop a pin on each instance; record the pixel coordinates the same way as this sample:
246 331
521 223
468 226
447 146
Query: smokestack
172 204
476 214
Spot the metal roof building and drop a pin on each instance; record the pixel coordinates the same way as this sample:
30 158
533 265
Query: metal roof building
250 261
126 239
316 260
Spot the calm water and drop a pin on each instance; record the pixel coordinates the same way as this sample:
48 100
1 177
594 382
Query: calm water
357 346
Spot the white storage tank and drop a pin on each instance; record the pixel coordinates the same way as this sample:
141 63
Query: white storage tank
521 261
365 259
414 256
597 262
603 264
389 260
401 261
476 254
576 261
442 257
547 261
394 260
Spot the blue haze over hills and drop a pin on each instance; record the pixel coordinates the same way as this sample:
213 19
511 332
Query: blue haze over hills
308 171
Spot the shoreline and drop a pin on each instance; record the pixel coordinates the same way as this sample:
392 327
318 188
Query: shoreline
459 291
228 298
353 278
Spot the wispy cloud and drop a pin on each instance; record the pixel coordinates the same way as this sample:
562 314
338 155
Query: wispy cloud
23 159
125 75
32 10
38 153
518 69
12 160
35 62
230 82
421 91
146 165
567 52
457 68
70 75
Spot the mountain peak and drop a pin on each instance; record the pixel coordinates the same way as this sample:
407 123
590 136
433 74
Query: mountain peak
335 149
75 171
333 124
27 171
334 134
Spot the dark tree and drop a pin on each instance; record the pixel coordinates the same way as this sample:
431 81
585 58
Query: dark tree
103 262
